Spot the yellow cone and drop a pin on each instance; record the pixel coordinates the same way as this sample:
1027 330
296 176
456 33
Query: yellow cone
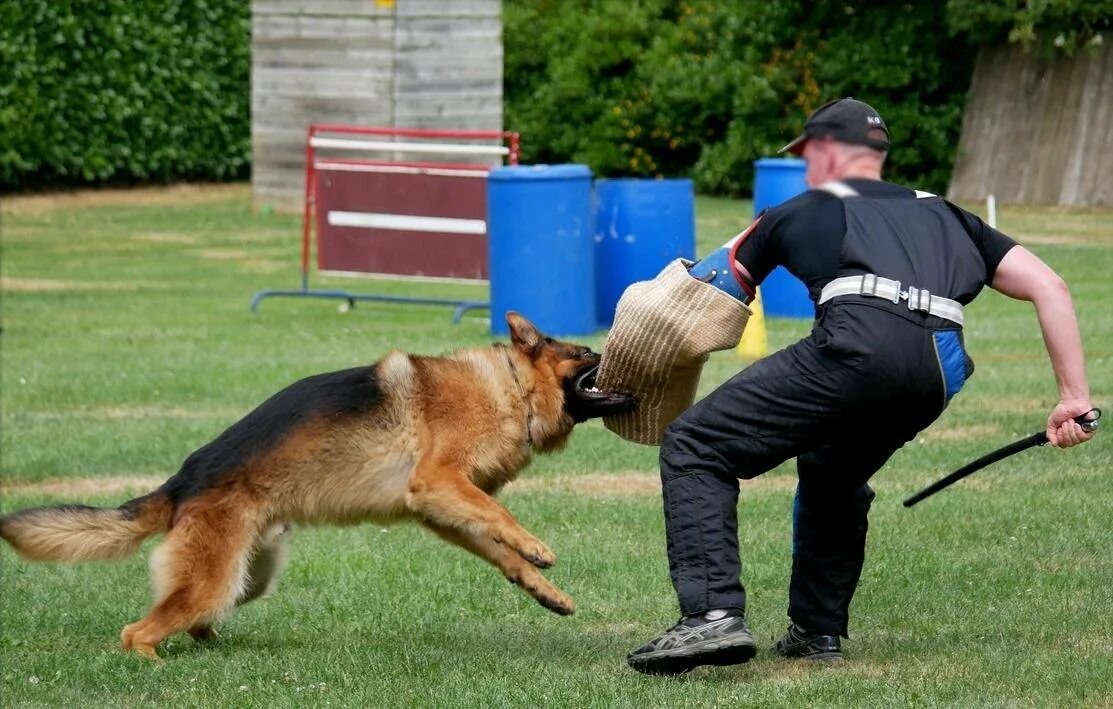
754 344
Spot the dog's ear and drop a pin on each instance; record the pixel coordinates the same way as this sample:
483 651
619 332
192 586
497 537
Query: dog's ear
523 333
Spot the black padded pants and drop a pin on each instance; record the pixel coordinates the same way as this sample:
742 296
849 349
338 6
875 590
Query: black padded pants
837 403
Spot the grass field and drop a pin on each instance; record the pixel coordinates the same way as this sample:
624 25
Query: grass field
127 343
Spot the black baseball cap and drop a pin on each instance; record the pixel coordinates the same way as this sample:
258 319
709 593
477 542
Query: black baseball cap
846 120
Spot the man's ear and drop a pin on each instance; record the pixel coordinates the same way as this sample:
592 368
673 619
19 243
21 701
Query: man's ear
522 332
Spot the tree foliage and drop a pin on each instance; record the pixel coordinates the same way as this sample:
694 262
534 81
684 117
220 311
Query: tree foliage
1047 26
704 88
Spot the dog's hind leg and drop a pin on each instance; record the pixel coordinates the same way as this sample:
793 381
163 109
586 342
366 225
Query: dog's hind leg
515 568
267 559
199 572
447 499
203 633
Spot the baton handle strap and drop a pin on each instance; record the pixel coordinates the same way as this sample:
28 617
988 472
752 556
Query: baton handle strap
1089 425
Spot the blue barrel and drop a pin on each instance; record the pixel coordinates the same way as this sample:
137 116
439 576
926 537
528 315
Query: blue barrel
539 240
640 226
777 180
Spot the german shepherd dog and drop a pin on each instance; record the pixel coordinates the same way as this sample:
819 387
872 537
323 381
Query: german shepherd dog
425 438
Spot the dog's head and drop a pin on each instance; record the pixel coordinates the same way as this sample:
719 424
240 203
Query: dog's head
573 367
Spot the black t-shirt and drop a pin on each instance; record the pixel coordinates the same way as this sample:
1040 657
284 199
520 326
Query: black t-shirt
805 235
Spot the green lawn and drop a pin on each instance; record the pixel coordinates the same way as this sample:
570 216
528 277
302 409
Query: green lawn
127 343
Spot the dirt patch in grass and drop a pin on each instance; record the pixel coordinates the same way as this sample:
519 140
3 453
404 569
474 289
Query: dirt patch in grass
1034 356
1065 239
630 483
959 433
591 484
116 413
998 403
223 254
166 238
113 485
130 413
135 196
1094 643
13 284
265 266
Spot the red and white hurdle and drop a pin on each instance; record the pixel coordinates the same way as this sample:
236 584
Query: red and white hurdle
387 217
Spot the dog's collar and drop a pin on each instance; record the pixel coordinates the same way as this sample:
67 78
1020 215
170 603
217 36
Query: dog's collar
521 391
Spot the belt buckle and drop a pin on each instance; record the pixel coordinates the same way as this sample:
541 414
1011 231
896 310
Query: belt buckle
916 297
912 296
871 288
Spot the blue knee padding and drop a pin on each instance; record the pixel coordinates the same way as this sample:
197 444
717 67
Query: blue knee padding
952 358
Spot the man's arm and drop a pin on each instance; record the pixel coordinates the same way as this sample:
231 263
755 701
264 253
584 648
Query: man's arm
1023 276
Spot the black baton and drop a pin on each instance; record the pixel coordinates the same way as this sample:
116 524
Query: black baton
1036 439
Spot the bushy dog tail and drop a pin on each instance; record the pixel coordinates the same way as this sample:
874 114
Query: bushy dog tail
82 533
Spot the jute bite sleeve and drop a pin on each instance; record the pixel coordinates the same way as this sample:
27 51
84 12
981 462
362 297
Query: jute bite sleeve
663 332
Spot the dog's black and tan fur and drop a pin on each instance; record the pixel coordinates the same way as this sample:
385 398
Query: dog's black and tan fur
428 438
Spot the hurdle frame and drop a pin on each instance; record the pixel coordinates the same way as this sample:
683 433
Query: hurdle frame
508 147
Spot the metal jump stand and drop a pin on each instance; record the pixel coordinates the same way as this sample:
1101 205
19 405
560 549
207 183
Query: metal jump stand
507 146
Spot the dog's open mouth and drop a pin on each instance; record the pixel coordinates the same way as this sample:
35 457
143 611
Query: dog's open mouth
585 380
584 400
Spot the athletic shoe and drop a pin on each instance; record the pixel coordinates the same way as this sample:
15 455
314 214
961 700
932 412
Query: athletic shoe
694 641
799 643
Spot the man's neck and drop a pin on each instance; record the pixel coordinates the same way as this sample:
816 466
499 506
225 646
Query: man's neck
860 167
860 172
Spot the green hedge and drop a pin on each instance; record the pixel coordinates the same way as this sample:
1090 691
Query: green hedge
124 91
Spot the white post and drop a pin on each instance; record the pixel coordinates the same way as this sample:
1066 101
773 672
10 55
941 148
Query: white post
991 210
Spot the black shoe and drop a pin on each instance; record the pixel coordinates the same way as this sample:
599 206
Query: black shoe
695 641
798 642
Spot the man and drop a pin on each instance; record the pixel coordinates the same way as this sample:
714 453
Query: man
890 270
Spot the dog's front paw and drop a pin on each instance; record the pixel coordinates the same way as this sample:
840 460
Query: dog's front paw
536 553
559 603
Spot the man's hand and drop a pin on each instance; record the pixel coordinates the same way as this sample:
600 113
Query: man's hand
1062 430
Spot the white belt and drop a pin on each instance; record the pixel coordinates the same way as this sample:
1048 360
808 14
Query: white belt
878 287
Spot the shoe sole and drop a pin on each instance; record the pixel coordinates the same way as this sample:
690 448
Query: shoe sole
678 661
